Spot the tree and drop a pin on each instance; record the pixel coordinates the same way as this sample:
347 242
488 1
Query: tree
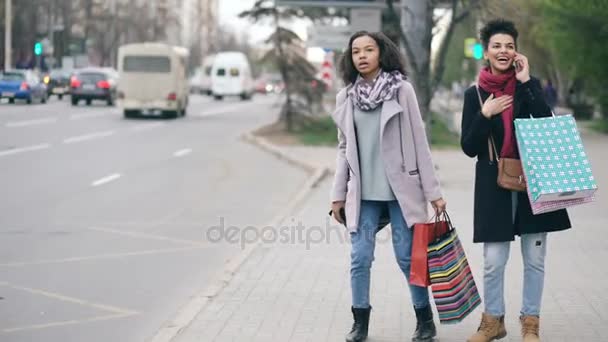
265 9
576 32
416 41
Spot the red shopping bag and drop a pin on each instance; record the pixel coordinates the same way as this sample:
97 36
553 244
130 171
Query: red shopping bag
424 233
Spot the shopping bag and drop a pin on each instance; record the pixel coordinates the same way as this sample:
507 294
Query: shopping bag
555 164
454 290
423 234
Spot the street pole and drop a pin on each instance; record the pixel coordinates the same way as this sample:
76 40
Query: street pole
51 28
8 34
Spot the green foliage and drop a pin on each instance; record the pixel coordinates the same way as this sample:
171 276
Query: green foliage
457 66
441 136
577 32
318 132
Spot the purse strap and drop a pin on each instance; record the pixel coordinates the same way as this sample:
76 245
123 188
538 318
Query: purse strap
491 143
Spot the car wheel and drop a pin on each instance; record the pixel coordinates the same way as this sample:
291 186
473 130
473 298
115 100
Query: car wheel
218 97
11 100
74 101
89 101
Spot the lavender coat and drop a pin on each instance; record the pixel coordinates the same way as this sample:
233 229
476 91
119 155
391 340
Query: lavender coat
405 151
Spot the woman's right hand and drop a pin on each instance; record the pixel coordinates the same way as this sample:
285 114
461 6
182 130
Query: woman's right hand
336 209
494 106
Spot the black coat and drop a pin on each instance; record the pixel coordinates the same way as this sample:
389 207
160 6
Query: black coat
493 205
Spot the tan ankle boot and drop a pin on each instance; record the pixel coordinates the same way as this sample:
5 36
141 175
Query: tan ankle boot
491 328
530 326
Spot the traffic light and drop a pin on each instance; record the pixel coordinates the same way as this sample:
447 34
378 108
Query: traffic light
478 51
473 48
38 48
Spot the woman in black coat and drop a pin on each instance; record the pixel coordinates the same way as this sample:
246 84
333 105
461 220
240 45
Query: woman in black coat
505 91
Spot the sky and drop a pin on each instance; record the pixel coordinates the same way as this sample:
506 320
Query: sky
229 11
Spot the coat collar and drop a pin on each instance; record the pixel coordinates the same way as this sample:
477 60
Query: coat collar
343 115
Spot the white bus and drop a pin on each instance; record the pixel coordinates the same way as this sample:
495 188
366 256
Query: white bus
153 79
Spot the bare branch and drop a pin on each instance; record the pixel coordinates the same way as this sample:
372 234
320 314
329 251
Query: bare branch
406 44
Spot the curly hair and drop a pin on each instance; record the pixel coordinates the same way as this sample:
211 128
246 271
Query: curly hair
390 58
497 26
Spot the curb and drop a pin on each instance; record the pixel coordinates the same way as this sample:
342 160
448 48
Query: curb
184 317
277 152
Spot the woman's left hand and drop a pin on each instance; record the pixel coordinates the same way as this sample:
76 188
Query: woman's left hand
439 206
522 68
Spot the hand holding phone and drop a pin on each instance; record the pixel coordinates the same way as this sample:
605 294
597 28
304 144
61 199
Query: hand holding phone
522 68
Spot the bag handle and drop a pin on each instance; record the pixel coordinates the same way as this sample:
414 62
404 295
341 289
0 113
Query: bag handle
491 143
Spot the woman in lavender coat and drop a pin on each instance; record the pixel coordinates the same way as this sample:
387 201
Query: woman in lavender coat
383 165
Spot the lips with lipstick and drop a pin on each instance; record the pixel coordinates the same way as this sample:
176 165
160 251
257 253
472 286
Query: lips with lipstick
504 60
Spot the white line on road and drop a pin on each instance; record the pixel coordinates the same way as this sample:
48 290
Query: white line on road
182 153
86 115
30 122
218 112
85 137
148 126
107 179
24 149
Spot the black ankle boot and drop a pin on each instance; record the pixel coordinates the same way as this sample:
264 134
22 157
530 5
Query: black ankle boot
425 327
359 331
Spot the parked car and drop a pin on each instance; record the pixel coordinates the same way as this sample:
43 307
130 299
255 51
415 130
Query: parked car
22 85
58 83
93 84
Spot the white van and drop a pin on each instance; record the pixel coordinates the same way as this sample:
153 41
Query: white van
153 79
231 76
200 81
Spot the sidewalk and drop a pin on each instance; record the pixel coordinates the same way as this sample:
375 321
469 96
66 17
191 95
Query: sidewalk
298 289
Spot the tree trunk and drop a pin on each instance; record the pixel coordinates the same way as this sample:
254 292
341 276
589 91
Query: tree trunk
417 24
284 73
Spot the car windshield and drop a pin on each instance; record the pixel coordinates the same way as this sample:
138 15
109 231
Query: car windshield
91 77
147 64
12 76
58 74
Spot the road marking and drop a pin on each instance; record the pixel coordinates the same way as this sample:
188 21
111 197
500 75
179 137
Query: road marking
182 153
86 115
148 236
116 312
86 137
24 149
218 112
101 257
30 122
64 323
107 179
148 126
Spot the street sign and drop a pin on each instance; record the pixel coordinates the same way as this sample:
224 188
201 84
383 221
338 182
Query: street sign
332 3
329 37
366 19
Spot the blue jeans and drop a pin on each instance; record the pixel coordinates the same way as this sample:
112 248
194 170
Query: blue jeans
362 252
496 255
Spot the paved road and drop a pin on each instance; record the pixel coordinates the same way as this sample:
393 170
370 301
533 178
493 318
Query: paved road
103 220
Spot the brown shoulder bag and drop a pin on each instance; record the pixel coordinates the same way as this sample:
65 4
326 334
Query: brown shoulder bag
510 171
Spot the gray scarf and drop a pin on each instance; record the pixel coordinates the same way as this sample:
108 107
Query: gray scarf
369 95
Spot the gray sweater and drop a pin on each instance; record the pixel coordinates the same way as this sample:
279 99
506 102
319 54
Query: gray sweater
374 183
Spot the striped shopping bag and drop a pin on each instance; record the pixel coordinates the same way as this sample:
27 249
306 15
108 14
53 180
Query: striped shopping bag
452 282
